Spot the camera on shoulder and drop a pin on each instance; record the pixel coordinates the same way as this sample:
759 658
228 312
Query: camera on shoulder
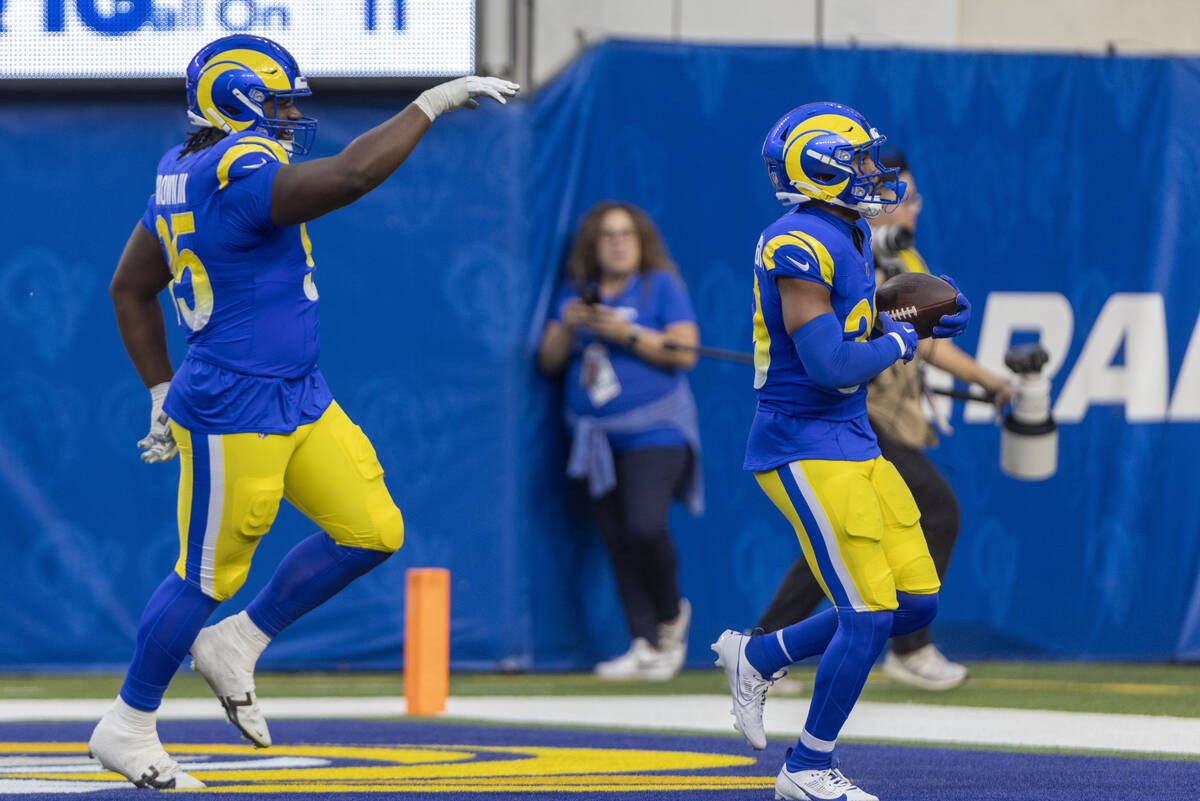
888 240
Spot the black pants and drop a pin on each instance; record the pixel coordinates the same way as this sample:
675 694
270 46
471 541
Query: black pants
633 522
799 594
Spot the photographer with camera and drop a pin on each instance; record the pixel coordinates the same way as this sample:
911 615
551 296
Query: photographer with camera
635 435
904 432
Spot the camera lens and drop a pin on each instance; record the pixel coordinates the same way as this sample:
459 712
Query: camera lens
1025 359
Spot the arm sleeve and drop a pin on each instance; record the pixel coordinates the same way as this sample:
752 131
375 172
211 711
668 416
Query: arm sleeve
673 303
833 362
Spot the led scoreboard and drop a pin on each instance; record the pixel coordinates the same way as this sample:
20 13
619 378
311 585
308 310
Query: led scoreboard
65 39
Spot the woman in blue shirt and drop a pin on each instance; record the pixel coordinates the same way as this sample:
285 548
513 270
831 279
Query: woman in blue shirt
633 418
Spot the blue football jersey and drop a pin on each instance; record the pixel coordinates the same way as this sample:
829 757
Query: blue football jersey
795 418
242 289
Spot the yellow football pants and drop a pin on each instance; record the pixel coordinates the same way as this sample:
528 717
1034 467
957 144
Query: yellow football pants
859 528
230 486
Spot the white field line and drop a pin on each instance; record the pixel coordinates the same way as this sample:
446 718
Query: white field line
710 713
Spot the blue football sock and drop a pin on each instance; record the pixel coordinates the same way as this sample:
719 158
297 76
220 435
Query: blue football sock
843 669
311 573
170 622
770 652
915 612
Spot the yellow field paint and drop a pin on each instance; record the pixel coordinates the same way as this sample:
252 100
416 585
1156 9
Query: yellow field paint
433 768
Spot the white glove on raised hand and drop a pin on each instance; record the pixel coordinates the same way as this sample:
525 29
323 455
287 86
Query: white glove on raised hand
158 445
461 93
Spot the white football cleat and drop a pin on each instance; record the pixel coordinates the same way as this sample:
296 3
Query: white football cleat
225 655
641 661
134 750
818 785
673 637
925 667
746 685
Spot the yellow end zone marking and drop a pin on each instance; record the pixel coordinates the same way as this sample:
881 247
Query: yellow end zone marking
441 768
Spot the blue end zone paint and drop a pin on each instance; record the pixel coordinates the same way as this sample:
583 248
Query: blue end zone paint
895 773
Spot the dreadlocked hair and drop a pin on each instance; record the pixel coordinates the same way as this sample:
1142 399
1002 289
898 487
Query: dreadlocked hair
201 138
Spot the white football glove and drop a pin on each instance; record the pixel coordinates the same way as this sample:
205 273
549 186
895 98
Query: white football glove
158 445
461 93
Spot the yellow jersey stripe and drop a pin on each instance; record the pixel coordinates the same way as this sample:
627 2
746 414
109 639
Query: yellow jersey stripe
307 243
762 341
822 254
276 148
233 154
810 244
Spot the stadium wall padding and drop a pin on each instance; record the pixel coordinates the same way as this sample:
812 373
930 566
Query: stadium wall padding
1073 177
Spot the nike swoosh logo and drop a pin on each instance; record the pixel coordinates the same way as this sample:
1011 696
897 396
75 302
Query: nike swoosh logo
795 263
255 166
741 696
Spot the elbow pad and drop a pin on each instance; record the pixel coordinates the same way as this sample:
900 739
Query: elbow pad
834 363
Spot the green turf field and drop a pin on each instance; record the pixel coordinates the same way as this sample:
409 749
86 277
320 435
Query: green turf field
1148 689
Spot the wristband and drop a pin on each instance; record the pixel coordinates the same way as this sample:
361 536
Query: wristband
158 393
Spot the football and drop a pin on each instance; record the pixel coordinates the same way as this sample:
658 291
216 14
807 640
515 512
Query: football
919 299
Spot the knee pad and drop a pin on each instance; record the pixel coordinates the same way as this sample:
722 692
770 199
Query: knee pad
914 613
391 531
387 522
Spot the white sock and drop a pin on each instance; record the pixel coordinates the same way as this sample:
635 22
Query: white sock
136 719
253 639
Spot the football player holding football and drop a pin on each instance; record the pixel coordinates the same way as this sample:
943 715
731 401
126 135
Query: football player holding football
894 404
248 410
811 447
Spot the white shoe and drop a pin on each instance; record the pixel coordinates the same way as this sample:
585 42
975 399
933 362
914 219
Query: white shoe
641 661
673 637
746 685
125 741
818 785
225 655
925 668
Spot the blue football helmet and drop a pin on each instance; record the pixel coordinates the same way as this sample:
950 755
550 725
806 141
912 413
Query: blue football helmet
235 84
828 152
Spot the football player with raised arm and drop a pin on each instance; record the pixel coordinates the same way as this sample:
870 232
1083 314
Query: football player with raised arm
811 448
248 410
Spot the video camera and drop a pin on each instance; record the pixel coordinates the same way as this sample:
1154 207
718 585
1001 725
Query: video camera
887 241
1029 443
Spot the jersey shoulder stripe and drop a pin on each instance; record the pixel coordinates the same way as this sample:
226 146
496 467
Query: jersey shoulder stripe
801 251
246 155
